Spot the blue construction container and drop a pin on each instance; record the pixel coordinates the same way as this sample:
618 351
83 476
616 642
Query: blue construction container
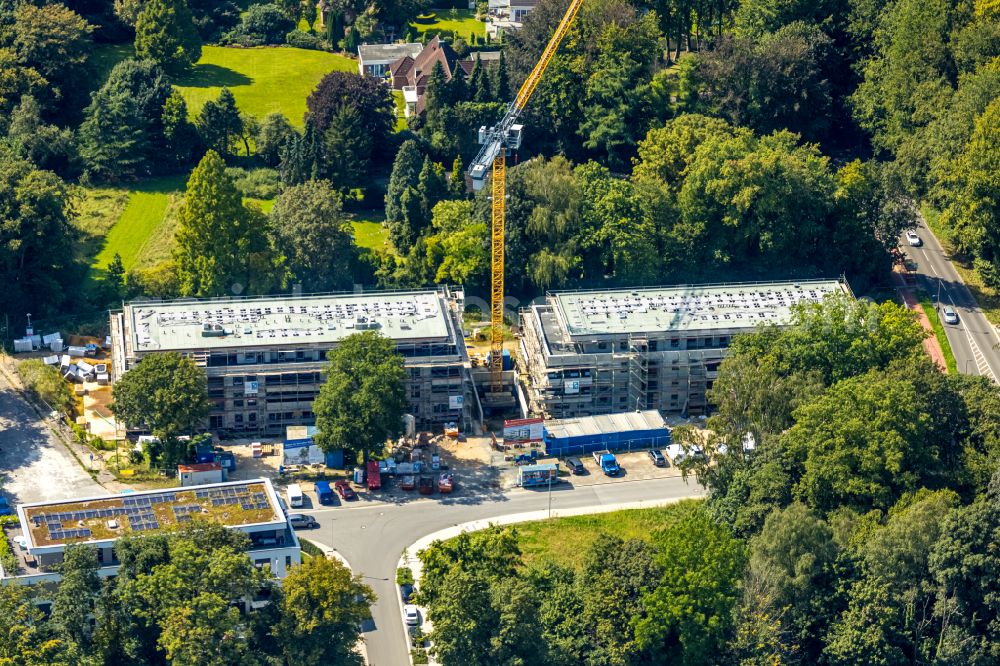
626 431
506 360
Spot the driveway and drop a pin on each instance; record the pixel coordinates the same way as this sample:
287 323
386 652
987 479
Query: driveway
35 465
373 535
973 340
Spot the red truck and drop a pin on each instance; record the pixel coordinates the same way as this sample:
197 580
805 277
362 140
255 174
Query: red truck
374 476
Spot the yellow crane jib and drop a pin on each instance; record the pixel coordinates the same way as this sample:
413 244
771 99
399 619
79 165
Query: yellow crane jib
497 141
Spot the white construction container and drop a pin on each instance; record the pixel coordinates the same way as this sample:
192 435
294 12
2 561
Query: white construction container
102 378
77 352
56 346
64 361
22 345
51 360
50 338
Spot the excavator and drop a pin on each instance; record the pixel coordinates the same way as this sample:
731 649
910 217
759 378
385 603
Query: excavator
497 141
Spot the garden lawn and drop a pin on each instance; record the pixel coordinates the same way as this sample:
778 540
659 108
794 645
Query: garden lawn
566 540
397 97
460 22
143 232
263 80
370 234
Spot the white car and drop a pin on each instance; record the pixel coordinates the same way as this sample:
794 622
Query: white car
913 239
411 615
950 316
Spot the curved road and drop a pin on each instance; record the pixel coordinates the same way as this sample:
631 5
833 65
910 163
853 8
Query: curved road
975 343
372 536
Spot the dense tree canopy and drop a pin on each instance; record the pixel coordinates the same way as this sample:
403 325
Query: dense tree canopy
313 236
361 403
222 245
165 394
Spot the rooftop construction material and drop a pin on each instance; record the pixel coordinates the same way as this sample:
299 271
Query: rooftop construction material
687 307
223 323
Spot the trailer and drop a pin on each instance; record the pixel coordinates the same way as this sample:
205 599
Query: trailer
543 474
374 476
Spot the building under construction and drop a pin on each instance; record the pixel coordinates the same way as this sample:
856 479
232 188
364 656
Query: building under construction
264 357
600 352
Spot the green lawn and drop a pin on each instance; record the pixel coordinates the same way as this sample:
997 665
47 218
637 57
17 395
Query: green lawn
370 233
263 80
397 97
566 540
461 22
143 231
949 357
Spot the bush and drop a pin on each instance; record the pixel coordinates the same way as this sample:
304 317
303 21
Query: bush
419 656
303 40
45 382
260 26
404 576
7 558
256 183
310 548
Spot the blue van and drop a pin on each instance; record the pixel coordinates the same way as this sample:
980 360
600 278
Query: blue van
323 492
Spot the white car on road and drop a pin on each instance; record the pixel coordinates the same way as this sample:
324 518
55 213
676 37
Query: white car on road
950 316
913 239
411 615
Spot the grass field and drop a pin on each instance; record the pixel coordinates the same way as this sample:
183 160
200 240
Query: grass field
263 80
988 298
566 540
461 22
369 232
397 97
949 356
141 229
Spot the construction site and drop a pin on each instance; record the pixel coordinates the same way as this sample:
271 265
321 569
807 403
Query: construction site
600 352
264 357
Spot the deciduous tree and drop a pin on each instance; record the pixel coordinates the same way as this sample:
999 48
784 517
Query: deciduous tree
361 403
166 394
314 237
323 607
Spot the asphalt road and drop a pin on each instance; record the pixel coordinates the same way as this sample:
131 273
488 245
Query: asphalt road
35 465
973 340
372 537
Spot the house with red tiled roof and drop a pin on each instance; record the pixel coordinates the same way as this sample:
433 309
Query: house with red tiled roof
412 73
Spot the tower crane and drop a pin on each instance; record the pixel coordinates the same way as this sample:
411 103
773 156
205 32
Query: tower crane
492 158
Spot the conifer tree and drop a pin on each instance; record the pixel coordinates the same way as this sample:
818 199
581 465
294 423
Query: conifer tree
220 242
165 33
502 93
457 183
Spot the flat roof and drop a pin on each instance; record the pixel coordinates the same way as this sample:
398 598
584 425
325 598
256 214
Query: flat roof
604 424
284 321
687 307
233 504
369 52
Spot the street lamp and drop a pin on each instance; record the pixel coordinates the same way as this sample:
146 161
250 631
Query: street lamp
550 491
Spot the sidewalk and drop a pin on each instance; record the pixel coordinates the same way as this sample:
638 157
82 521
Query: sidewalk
931 344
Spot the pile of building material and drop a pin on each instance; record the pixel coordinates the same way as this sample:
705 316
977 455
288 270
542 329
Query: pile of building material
31 342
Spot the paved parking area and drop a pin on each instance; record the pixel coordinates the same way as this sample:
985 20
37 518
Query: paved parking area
35 465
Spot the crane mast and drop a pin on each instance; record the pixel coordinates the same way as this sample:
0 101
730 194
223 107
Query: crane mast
492 159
